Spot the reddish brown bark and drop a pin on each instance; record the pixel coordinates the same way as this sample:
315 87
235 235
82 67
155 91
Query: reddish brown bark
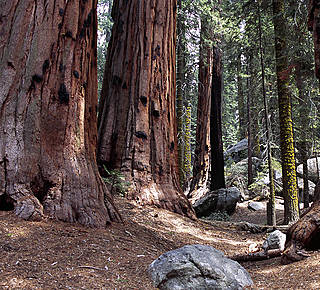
201 156
48 97
302 235
137 131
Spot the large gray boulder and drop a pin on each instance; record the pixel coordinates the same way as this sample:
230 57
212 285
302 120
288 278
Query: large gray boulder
237 152
223 200
312 169
197 267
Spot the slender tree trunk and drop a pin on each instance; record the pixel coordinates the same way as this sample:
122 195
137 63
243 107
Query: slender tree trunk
241 105
217 159
271 205
305 233
302 144
48 97
187 166
137 118
289 178
313 26
202 149
249 104
181 83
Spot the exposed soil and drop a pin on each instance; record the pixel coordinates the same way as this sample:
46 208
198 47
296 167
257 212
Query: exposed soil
56 255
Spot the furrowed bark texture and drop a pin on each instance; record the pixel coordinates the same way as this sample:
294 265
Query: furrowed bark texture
201 154
289 178
136 127
48 97
217 159
304 234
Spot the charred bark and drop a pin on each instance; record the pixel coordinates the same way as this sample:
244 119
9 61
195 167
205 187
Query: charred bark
202 149
137 133
48 97
217 159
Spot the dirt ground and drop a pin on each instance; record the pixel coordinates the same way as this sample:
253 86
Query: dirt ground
56 255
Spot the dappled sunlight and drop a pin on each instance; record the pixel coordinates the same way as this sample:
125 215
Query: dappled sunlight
198 230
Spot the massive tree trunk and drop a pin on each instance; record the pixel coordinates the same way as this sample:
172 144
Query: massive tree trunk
48 97
136 129
289 176
217 160
201 154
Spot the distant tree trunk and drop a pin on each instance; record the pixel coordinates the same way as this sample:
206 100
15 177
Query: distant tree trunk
217 160
303 144
181 83
249 104
289 179
48 97
271 205
313 26
201 154
137 118
241 105
187 166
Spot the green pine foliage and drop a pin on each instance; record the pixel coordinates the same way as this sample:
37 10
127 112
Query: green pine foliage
116 182
104 32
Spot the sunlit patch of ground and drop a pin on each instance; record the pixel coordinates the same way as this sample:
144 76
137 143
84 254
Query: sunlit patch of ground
55 255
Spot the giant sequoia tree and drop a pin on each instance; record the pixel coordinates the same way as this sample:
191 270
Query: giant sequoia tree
48 97
137 132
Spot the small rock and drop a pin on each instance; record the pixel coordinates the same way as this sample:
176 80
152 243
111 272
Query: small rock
256 206
276 240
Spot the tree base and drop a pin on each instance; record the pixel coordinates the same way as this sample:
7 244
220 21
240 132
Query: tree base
303 235
163 196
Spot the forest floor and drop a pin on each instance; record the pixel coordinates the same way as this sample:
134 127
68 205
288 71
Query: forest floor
56 255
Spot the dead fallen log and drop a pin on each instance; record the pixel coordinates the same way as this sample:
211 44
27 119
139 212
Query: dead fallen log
302 236
258 256
256 228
